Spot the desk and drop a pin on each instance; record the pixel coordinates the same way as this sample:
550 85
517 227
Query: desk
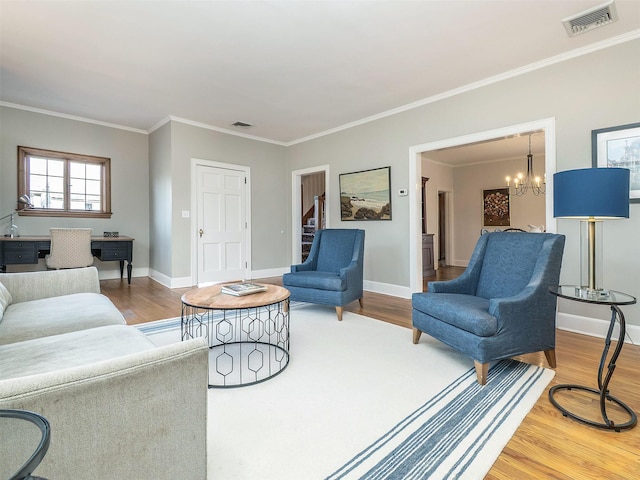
28 249
571 292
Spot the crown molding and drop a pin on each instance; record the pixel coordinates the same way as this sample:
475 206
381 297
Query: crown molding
71 117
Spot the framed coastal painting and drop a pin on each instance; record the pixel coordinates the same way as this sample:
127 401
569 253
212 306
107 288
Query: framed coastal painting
619 147
495 207
366 195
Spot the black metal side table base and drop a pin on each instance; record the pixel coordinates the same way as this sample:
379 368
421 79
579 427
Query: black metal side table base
606 369
606 424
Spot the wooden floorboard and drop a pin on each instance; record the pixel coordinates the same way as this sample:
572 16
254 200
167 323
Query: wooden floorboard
545 446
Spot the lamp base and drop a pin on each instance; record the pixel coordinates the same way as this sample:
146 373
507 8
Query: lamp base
592 293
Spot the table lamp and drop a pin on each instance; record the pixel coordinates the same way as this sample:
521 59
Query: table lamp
12 231
591 195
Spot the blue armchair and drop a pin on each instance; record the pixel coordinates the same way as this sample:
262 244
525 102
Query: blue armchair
500 306
332 274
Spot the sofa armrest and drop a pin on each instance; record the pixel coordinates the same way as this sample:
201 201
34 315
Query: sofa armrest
26 286
138 416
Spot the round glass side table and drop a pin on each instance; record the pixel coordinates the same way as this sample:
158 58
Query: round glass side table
614 300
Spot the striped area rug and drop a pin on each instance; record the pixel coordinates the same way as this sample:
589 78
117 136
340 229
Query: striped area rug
446 437
360 400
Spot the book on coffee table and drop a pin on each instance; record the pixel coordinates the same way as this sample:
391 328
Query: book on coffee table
240 289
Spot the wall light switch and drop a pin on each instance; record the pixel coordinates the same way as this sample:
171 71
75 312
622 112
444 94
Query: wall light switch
185 213
403 192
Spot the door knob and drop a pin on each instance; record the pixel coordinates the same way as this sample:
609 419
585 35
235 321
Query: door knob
201 232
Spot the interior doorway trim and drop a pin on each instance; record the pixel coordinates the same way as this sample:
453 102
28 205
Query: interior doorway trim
415 175
193 225
296 209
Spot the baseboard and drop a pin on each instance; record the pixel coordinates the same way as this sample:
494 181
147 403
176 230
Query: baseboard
387 289
169 282
595 327
114 273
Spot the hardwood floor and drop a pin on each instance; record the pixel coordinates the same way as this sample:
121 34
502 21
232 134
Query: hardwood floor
546 445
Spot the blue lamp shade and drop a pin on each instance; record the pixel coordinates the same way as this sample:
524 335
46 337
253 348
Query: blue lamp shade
591 192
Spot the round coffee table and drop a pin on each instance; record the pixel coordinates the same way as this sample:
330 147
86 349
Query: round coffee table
248 336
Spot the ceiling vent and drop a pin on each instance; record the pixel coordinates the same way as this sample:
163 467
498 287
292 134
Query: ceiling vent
242 125
593 18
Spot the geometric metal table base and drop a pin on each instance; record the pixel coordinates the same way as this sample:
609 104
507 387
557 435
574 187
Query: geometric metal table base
246 345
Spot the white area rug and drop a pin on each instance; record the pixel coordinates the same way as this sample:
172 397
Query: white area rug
359 400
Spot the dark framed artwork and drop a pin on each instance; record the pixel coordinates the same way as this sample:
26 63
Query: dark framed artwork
619 147
366 195
495 207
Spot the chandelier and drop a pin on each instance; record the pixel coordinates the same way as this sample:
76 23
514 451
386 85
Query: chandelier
522 184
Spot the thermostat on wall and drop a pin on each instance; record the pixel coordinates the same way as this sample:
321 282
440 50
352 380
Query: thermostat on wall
403 192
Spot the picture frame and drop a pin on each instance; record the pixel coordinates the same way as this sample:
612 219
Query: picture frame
619 147
366 195
496 207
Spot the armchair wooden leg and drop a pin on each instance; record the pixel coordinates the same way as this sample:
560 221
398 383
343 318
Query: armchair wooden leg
551 357
339 312
416 335
482 369
361 304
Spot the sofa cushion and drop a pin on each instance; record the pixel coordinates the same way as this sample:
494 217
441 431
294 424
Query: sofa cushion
466 312
5 299
74 349
56 315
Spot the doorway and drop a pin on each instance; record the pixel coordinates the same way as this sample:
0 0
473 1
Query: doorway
416 173
442 229
305 186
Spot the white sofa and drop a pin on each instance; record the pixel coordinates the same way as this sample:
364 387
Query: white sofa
119 407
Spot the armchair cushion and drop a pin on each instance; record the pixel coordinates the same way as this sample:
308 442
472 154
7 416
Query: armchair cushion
470 313
319 280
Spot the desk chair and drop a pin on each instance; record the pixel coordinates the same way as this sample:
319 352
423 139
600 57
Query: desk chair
70 248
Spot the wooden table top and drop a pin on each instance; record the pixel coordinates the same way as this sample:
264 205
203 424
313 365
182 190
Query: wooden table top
212 297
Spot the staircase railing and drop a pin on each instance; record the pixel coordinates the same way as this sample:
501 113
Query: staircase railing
316 211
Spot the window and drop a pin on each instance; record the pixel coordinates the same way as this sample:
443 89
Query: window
64 184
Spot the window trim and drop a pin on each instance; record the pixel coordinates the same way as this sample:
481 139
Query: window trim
23 183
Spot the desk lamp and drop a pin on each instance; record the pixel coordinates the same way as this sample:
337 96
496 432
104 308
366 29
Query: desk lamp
591 195
13 229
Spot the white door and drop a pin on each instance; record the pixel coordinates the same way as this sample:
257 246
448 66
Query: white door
221 216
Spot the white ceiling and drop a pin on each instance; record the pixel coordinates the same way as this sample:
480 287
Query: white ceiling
293 69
